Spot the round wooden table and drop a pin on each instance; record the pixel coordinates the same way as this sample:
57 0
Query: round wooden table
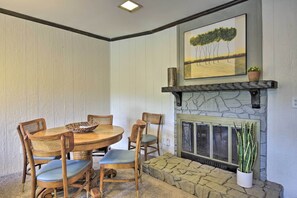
85 143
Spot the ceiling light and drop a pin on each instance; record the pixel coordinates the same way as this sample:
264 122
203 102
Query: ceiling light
130 6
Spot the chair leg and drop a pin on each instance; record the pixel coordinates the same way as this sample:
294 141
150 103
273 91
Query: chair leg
65 189
101 180
89 181
136 180
33 187
129 144
55 193
145 152
158 148
24 175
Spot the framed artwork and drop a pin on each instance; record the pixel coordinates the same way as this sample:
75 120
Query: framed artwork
216 50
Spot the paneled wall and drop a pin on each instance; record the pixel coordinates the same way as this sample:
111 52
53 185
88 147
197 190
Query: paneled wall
138 71
47 72
280 64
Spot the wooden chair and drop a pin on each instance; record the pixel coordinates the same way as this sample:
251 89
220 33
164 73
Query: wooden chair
32 127
56 173
124 159
149 140
101 119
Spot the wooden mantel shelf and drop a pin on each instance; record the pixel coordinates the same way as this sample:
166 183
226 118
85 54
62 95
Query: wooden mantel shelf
253 87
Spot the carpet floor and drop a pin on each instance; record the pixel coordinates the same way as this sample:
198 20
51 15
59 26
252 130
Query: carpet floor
11 187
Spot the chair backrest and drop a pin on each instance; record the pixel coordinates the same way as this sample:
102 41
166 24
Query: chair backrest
48 146
52 145
101 119
33 126
136 133
152 119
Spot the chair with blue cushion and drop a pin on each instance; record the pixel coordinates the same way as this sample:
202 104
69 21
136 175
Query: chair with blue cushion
32 127
124 159
102 120
150 140
56 173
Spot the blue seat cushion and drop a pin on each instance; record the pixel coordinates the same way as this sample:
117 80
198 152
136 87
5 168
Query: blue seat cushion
118 157
148 138
46 158
52 171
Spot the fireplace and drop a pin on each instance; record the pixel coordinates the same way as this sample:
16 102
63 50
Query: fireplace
211 140
234 105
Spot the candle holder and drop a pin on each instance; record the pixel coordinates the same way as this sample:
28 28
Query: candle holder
172 76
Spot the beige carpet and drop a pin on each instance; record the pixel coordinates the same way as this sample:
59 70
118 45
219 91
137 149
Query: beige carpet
10 187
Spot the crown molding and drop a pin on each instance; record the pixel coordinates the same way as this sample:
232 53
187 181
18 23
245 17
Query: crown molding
169 25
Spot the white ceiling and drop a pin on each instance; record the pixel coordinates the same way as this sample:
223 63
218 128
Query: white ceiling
104 18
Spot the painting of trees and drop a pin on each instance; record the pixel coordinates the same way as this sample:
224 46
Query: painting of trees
209 42
216 50
228 34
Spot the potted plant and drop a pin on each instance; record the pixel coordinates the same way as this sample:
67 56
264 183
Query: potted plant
254 73
247 150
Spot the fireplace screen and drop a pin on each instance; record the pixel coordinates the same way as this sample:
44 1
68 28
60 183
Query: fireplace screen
202 134
211 140
214 141
188 137
220 143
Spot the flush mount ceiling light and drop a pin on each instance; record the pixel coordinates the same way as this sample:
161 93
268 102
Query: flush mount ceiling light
130 6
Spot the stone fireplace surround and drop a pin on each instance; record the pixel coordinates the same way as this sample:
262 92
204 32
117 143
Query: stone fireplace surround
229 104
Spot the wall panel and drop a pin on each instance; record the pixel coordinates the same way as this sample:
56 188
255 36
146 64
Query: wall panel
15 86
280 64
3 108
31 64
138 71
47 72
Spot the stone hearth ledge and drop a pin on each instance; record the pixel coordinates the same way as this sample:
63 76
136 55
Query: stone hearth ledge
206 181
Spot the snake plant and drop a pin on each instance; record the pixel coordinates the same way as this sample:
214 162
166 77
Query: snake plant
247 147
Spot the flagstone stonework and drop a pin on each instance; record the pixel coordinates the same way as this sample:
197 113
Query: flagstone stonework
206 181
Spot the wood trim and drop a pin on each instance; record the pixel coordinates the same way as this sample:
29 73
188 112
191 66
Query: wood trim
169 25
56 25
263 84
186 19
253 87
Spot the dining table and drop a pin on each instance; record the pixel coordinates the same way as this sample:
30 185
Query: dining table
84 143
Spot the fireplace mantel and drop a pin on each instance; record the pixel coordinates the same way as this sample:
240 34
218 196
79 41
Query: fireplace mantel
253 87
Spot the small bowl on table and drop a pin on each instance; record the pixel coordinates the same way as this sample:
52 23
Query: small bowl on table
82 127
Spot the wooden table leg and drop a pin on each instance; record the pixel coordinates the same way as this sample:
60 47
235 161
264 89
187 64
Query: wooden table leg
110 173
87 155
83 155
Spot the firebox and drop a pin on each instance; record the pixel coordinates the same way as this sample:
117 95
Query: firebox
211 140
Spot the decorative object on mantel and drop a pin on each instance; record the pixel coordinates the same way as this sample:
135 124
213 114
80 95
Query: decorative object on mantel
172 76
254 73
247 151
82 127
253 87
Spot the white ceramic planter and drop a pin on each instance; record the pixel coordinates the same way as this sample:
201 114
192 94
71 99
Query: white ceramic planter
244 179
